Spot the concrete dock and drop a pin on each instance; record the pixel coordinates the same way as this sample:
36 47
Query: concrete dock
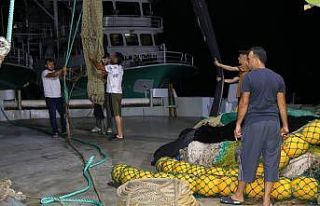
40 165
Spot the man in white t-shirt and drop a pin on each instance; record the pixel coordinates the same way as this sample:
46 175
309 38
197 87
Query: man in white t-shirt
52 93
114 91
97 108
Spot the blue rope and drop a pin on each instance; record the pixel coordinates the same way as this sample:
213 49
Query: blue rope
10 21
104 155
89 164
71 26
68 197
72 36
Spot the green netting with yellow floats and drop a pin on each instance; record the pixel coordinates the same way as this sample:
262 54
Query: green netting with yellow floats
299 176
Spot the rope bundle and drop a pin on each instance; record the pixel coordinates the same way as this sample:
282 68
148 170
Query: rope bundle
6 191
4 48
152 192
5 43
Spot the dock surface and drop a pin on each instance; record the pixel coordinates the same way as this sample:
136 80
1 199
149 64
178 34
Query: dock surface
40 165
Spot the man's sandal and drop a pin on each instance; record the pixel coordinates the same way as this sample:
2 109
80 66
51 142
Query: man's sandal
230 201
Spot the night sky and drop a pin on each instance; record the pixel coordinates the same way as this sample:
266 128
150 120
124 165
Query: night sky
290 36
287 33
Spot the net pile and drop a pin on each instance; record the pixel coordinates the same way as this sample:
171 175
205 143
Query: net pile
220 154
217 181
219 121
92 41
299 166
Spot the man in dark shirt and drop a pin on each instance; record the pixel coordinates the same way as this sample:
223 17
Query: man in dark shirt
262 100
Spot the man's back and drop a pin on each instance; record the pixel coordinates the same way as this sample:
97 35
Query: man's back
263 85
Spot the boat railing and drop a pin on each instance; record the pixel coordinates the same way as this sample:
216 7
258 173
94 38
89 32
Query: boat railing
160 57
41 29
19 57
133 21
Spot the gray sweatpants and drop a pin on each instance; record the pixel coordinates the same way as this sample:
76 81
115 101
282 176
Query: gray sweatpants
260 138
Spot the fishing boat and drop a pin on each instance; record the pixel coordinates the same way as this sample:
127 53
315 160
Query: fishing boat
130 27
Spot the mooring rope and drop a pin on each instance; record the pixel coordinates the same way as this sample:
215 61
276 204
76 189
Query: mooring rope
10 21
87 164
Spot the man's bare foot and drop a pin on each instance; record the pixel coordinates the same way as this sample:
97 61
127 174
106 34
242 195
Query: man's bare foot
267 202
240 198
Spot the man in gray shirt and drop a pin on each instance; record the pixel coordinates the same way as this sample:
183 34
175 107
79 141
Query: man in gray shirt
262 101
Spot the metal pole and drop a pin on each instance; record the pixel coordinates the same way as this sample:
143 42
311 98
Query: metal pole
19 100
40 50
151 97
56 23
2 23
18 56
164 54
28 45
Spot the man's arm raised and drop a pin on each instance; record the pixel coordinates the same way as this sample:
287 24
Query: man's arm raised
57 73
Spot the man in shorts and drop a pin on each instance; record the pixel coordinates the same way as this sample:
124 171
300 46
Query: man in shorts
114 91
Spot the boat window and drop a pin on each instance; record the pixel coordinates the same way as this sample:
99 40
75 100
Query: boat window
146 7
108 8
146 40
116 39
105 40
132 39
128 8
